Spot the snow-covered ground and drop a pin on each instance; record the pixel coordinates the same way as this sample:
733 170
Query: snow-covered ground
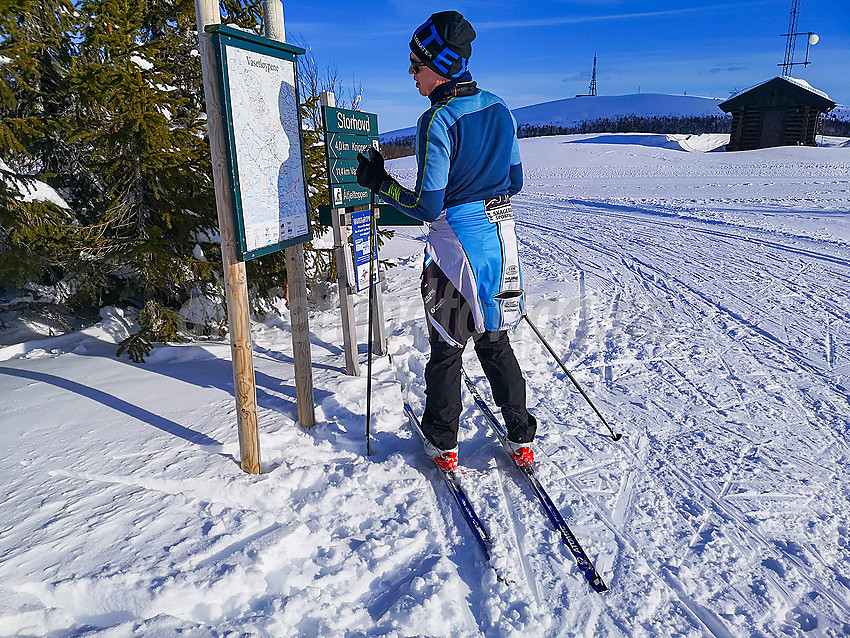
700 298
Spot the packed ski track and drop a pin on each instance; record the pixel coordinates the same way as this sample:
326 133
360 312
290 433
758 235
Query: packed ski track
701 299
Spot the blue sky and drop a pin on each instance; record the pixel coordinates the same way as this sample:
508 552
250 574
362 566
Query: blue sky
532 52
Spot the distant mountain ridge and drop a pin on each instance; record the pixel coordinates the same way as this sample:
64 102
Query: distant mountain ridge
573 111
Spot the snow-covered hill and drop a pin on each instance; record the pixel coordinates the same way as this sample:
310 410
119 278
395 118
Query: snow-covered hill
700 298
572 111
841 113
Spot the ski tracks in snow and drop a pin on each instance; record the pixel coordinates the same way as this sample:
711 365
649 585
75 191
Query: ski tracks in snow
716 349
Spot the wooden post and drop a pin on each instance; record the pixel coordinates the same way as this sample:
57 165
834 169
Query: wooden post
343 264
296 276
235 279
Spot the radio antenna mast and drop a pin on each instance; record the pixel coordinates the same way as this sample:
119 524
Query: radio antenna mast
792 38
592 89
790 44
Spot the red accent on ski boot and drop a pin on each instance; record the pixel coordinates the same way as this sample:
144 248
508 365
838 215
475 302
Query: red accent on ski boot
446 461
523 456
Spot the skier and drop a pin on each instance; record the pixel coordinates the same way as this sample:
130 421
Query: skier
468 167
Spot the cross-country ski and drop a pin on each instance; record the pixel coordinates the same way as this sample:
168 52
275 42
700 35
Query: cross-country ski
584 563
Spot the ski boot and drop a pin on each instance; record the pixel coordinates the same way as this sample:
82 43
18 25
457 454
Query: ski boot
521 453
446 460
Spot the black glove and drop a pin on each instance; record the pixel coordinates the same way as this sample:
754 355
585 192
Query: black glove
370 169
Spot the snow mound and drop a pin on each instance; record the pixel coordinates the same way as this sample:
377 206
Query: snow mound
691 143
33 190
701 143
201 310
114 327
178 354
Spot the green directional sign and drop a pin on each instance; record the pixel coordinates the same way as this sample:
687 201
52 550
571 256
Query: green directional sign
342 171
347 133
345 195
345 146
346 121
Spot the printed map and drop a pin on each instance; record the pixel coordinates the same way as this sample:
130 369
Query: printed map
268 150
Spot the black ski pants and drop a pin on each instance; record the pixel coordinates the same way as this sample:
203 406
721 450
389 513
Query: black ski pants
442 388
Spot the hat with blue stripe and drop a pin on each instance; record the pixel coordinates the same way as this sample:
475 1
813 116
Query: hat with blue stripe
444 43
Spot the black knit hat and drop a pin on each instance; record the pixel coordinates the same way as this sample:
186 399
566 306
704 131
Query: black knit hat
443 43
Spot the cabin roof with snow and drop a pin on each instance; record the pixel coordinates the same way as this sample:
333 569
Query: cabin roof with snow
780 91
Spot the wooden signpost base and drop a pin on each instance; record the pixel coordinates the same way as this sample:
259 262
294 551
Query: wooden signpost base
233 265
296 275
236 281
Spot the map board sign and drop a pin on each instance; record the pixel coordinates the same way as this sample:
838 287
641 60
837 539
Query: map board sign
262 115
347 133
360 222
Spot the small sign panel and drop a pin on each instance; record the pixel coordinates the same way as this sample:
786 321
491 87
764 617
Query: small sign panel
342 171
345 195
262 115
360 222
345 146
347 121
387 216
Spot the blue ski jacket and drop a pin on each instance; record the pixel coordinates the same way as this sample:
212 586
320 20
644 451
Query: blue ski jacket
468 167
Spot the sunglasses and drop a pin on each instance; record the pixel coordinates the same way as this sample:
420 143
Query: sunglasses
416 66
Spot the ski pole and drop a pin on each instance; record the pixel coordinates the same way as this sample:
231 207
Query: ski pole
373 248
615 436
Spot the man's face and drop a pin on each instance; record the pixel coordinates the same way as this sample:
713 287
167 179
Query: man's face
426 79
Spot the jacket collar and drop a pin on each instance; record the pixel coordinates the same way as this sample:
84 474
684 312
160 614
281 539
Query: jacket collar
458 87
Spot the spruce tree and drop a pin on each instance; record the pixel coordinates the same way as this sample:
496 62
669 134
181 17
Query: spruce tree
39 240
148 157
103 99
